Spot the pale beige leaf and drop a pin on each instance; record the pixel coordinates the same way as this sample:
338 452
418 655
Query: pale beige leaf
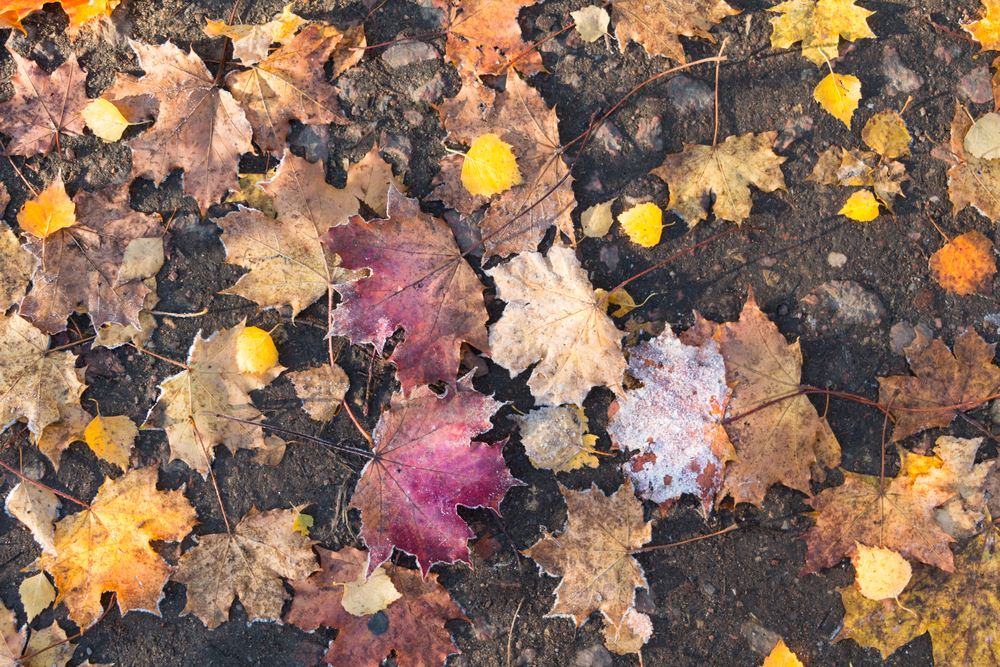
362 598
51 638
591 22
321 390
36 594
881 573
597 220
36 508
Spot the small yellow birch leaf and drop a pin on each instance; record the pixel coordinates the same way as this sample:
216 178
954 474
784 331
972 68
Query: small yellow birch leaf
781 656
111 438
887 135
839 95
255 351
49 212
881 573
37 594
591 22
362 598
104 119
596 220
643 224
489 167
303 522
862 206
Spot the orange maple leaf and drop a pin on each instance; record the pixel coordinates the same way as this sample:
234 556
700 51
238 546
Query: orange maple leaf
966 265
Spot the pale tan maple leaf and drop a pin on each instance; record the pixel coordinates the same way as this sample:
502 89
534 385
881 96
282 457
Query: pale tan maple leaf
553 317
248 563
556 438
656 23
36 508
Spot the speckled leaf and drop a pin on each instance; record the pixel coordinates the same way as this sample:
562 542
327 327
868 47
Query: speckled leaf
484 36
656 23
37 509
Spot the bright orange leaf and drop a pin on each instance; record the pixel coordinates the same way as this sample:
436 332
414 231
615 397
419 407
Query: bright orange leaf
49 212
965 265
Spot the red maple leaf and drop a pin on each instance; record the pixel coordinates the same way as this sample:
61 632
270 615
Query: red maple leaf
419 281
425 465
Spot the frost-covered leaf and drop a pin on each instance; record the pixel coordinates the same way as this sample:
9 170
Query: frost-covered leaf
36 508
556 438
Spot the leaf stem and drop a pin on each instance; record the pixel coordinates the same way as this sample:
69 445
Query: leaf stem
332 445
355 420
27 479
153 354
677 544
211 472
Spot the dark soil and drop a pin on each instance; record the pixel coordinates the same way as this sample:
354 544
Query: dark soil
709 598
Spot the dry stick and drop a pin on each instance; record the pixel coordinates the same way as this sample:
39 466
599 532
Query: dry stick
950 32
332 445
510 635
111 603
201 312
677 544
211 472
27 479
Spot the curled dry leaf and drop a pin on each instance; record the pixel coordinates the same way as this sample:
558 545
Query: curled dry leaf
37 509
553 317
556 438
656 23
321 390
839 166
965 265
818 24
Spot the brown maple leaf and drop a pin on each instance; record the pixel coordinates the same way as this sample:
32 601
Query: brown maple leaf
484 36
199 127
105 547
80 267
520 118
419 280
593 554
656 23
292 83
940 381
43 106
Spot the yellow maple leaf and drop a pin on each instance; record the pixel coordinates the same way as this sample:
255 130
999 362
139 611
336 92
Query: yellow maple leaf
881 573
255 351
49 212
966 265
104 119
862 206
817 25
643 224
781 656
839 95
111 438
986 30
489 167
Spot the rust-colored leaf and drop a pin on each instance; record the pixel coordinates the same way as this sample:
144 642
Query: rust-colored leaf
656 24
965 265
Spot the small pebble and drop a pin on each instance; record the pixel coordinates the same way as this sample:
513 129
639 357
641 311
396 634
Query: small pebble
836 259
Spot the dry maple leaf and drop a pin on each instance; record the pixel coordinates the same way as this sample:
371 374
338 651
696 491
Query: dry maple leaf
78 11
521 118
725 173
211 383
940 381
248 563
36 507
424 465
16 263
105 547
656 23
777 444
199 127
287 259
43 106
986 30
419 280
251 42
971 180
45 648
553 317
593 554
484 36
291 83
817 24
34 383
674 421
79 267
413 625
965 265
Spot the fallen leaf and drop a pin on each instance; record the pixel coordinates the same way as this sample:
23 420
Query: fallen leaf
643 224
965 265
484 37
861 206
635 631
839 94
940 380
105 547
48 648
413 625
818 24
104 119
489 167
839 166
593 554
971 180
112 335
723 173
597 220
556 438
59 435
37 509
43 107
986 30
591 22
198 126
886 134
211 383
255 351
626 304
36 595
553 317
302 524
673 421
983 137
880 573
876 624
321 390
656 23
252 195
48 212
112 439
781 656
16 263
424 465
11 639
367 596
418 280
251 42
248 563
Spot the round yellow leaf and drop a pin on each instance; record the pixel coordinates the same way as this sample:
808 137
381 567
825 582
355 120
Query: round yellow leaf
882 573
643 224
104 119
489 167
255 351
839 95
49 212
862 206
111 438
362 598
887 135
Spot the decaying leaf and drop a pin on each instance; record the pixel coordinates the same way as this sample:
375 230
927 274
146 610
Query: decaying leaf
886 134
839 166
321 390
986 30
597 220
674 421
59 435
36 508
880 573
656 23
36 594
877 624
16 263
971 180
112 438
419 280
48 647
965 265
413 625
251 42
839 94
591 22
593 554
212 383
723 173
112 335
484 36
248 563
818 24
643 224
941 384
861 206
556 438
489 167
106 546
553 317
636 629
424 465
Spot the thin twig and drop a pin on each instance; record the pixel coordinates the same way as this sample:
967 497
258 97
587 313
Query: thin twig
510 635
211 472
693 539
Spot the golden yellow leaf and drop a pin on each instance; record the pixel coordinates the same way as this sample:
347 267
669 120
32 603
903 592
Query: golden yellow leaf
255 351
862 206
49 212
36 594
104 119
817 25
839 95
886 134
302 524
643 224
881 573
986 30
597 220
365 596
966 265
781 656
111 438
489 167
